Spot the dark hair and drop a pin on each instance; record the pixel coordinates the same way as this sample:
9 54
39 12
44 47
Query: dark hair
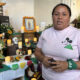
61 4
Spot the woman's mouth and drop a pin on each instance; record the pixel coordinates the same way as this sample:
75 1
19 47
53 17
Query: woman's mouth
59 22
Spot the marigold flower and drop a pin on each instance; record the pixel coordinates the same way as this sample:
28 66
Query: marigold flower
9 31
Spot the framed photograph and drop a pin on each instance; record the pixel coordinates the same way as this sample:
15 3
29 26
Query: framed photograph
29 24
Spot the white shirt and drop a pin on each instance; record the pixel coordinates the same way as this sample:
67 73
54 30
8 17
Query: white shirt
53 43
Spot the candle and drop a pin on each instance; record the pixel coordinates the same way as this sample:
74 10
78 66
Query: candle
33 79
37 28
26 40
7 59
29 52
9 42
35 39
19 44
1 35
22 29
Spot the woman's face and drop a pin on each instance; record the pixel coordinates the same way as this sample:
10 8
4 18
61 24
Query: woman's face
61 18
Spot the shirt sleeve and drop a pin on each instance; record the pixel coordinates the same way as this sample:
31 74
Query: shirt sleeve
40 42
78 43
79 48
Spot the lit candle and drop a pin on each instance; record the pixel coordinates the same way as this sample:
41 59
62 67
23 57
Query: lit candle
26 40
1 35
35 39
33 79
7 59
19 44
29 52
22 29
9 42
37 28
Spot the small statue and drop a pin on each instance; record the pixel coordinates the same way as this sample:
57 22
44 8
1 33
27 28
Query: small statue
15 40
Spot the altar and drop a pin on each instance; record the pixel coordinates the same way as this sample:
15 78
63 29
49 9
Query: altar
14 73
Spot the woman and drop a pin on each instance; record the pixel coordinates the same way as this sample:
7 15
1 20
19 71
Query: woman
61 43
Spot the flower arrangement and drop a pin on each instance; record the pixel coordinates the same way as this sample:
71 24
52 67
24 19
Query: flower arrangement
8 30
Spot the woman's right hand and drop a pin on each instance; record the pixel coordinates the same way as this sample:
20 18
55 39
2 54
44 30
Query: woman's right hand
46 62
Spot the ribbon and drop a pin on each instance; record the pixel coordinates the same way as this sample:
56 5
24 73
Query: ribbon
34 60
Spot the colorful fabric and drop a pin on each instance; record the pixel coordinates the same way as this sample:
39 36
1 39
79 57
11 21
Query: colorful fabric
34 60
5 68
22 65
15 66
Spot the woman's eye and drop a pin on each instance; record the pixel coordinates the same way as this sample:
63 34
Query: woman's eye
56 14
64 14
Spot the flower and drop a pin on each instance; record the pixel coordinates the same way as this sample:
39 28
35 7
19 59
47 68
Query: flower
8 30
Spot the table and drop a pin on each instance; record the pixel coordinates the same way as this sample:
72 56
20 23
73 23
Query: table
13 74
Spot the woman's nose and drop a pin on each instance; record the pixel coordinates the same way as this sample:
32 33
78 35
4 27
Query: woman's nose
59 16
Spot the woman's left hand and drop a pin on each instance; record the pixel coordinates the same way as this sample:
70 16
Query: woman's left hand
60 66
